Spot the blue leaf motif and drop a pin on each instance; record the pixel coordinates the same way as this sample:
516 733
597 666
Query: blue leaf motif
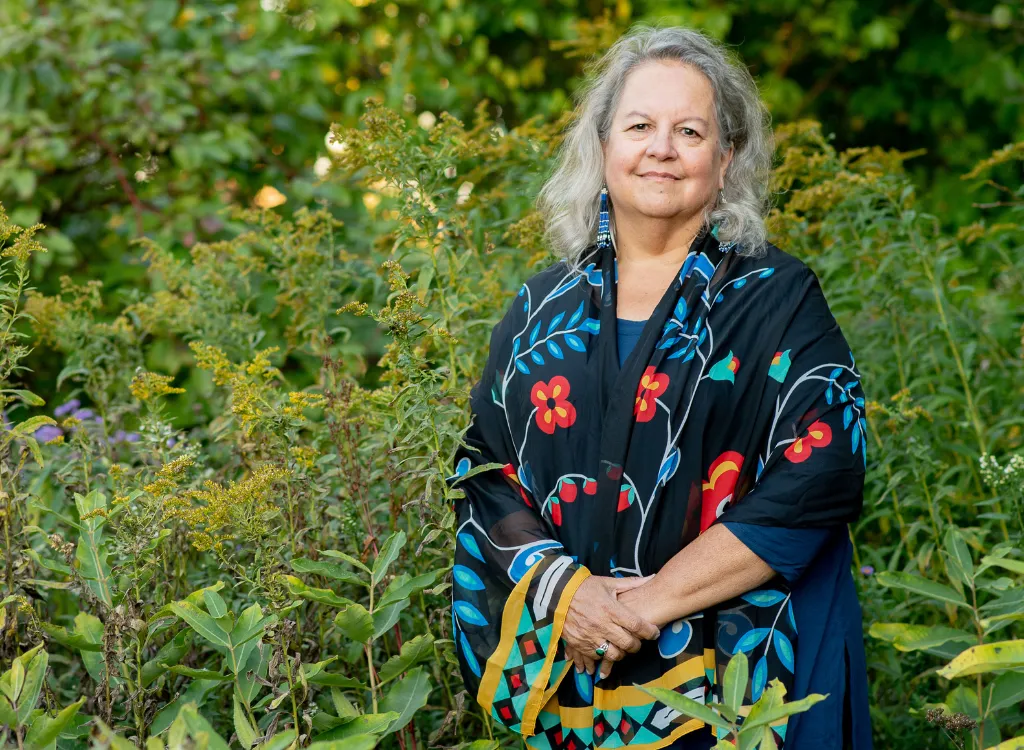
566 287
784 649
763 598
462 467
556 350
575 342
760 677
696 325
739 284
575 317
856 440
468 655
719 298
835 373
515 346
469 614
690 355
828 394
590 325
766 273
703 334
554 322
847 416
535 333
792 619
535 356
668 467
680 309
668 343
751 639
521 366
760 468
585 686
469 544
467 579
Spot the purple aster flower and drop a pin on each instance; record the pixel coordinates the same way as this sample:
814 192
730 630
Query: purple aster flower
64 408
47 432
132 437
117 437
867 570
83 414
171 442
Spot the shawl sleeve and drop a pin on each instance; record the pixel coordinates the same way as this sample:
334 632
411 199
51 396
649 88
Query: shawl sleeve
513 580
811 465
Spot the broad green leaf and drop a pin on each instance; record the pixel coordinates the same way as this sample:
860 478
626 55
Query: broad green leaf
90 628
328 570
200 729
918 585
215 604
196 674
251 623
388 554
323 596
405 586
26 397
337 680
201 622
342 705
247 735
280 741
385 619
778 712
362 742
413 652
907 637
310 670
1006 690
170 653
30 425
959 555
771 700
988 657
45 729
686 706
1017 743
255 662
108 738
35 672
1014 566
196 692
66 638
347 558
365 724
91 553
355 623
406 697
734 685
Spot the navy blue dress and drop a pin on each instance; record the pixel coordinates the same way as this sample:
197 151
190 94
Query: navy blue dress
830 650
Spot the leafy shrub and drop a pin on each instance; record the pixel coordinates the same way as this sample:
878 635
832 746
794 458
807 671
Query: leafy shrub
238 523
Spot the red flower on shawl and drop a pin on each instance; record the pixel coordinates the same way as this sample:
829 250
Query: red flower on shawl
719 487
819 434
510 473
652 385
552 402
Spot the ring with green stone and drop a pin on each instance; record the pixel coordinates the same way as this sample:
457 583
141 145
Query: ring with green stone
602 649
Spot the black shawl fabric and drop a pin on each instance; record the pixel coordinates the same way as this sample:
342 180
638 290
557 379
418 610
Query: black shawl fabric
740 401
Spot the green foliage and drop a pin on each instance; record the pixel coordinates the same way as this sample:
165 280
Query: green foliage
245 534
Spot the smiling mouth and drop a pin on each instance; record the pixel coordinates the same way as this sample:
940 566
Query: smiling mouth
659 177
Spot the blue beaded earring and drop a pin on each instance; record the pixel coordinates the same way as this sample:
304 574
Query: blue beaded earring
604 235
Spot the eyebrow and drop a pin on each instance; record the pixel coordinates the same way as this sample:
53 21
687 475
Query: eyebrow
701 120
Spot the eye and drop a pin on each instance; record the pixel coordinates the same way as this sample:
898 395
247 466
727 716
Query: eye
640 124
689 131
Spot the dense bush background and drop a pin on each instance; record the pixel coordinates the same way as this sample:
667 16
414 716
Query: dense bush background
266 532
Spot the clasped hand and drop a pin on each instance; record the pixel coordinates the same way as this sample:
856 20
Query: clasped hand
596 617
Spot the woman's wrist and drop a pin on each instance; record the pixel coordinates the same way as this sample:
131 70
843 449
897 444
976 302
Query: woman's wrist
646 602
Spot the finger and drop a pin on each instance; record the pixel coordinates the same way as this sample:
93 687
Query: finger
614 653
606 669
626 584
576 657
589 664
623 640
635 624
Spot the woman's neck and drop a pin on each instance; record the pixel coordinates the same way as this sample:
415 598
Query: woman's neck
651 242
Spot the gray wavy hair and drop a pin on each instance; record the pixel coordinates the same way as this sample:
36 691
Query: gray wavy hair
568 201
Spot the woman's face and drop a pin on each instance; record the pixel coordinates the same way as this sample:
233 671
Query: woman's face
665 123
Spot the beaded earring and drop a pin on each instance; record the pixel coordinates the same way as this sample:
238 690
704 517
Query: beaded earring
604 235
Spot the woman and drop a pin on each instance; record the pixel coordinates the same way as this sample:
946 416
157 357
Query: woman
677 419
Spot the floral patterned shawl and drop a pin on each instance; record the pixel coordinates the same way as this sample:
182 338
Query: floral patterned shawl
740 401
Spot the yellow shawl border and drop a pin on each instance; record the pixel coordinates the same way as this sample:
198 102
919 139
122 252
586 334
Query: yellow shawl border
496 662
540 695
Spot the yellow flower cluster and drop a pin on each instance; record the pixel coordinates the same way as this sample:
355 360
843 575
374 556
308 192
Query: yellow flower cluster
218 513
149 386
304 455
168 476
300 400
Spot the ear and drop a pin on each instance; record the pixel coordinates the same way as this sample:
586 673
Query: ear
726 161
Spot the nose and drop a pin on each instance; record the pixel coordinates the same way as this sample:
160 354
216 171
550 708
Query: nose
661 146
